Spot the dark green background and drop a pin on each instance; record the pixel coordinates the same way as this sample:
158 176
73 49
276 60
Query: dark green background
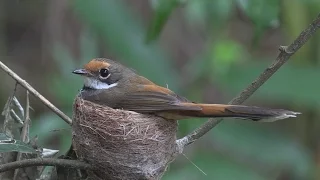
206 50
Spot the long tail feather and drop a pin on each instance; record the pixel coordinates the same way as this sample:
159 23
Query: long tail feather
238 111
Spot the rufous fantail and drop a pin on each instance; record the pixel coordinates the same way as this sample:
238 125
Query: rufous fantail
111 84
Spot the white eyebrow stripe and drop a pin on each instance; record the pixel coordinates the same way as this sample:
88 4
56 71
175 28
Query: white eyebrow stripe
96 84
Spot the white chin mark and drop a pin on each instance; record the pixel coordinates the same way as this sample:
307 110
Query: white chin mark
96 84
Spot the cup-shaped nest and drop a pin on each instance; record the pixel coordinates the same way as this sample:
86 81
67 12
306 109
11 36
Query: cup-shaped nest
122 144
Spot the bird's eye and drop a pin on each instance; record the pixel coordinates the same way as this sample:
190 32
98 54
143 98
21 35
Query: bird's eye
104 73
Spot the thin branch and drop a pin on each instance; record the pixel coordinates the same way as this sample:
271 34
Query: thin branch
24 131
16 117
35 93
8 157
45 162
6 109
26 122
285 53
18 105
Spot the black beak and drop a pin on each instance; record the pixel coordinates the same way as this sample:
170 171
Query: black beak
82 72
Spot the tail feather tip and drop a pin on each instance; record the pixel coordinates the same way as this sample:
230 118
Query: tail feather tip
285 115
281 115
290 114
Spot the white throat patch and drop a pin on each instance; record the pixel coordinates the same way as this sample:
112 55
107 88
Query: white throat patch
96 84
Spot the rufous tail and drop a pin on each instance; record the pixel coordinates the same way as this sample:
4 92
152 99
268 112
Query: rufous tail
238 111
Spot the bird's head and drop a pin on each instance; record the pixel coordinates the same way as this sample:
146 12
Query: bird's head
102 73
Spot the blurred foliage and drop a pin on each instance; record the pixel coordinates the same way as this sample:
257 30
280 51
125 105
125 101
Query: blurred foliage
282 86
263 14
124 36
234 149
162 11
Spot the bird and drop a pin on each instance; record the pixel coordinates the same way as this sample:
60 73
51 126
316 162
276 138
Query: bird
109 83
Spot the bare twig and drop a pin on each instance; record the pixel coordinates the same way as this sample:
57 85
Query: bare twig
285 53
6 109
8 157
45 162
35 93
24 131
26 122
16 117
18 105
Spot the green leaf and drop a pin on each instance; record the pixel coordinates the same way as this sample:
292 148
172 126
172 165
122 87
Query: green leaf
8 144
5 138
163 9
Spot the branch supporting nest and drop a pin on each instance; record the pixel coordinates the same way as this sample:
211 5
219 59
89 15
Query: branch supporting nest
285 53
